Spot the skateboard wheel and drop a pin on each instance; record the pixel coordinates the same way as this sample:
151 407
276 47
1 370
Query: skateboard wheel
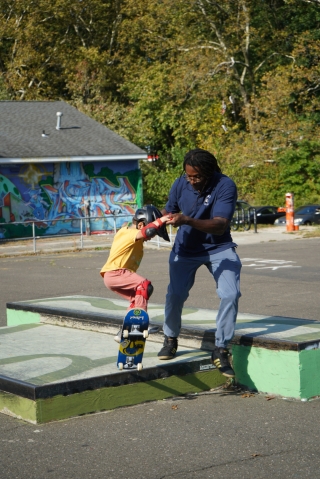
145 333
125 334
120 366
139 366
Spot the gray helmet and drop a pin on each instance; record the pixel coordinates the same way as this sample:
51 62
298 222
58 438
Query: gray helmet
148 214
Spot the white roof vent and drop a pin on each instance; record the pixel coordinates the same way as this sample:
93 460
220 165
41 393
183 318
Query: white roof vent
59 115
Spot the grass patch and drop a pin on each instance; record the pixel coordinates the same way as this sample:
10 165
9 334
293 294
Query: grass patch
315 233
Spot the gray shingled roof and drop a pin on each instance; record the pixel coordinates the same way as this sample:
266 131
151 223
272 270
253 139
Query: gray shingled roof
23 122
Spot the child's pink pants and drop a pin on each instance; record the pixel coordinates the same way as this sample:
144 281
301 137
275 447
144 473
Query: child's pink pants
125 283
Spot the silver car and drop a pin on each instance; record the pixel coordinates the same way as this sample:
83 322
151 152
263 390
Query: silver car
305 215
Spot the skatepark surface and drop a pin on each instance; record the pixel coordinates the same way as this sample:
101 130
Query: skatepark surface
46 353
210 434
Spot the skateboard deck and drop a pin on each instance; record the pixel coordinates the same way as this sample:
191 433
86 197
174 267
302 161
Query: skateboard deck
133 338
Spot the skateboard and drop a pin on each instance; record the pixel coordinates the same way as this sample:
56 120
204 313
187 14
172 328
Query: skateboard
135 330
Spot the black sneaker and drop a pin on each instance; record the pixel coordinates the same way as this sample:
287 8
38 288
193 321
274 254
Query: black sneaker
169 348
220 358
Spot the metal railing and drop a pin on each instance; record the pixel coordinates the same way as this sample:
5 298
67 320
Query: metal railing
241 219
86 230
244 219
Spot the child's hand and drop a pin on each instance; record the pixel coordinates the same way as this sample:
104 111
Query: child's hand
166 218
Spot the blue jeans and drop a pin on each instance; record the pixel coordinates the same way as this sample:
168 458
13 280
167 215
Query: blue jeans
225 268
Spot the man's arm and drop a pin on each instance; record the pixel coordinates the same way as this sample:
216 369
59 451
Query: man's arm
214 226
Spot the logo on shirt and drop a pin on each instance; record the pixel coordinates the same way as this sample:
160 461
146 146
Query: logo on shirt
206 200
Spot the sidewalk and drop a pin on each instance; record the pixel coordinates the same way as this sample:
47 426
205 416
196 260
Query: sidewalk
103 241
270 233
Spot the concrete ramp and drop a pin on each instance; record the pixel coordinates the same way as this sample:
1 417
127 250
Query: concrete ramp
58 358
49 371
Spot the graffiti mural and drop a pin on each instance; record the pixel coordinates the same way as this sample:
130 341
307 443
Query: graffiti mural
57 195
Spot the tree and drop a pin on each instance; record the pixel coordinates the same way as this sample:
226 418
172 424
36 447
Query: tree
43 43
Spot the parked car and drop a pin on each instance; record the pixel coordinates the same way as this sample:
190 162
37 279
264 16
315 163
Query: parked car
245 214
305 215
266 215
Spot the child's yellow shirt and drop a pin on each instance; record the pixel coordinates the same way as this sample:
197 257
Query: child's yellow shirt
126 252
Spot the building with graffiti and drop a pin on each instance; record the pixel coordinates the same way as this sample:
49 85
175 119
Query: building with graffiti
58 166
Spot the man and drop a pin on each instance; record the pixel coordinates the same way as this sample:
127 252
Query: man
202 203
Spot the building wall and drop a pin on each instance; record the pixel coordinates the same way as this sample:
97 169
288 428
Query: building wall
54 195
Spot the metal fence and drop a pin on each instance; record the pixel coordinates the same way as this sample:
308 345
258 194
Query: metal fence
242 220
86 224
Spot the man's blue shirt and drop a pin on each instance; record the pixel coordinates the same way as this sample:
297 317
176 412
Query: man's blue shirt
218 199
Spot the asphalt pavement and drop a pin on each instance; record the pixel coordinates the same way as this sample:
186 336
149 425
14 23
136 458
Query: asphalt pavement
211 435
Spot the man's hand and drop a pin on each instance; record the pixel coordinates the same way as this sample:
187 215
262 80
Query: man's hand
215 226
176 219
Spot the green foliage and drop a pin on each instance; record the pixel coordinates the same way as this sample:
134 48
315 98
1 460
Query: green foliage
44 43
158 176
239 78
296 170
299 172
4 94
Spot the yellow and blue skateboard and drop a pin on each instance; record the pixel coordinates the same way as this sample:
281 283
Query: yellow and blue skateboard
133 338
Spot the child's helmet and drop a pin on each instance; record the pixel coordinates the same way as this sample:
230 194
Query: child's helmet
148 214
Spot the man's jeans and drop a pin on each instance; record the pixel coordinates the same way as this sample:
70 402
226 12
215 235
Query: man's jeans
225 268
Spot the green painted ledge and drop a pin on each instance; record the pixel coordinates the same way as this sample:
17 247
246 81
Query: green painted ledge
16 317
64 407
292 374
309 373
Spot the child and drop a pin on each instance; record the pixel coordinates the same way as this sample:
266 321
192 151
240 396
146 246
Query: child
119 272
